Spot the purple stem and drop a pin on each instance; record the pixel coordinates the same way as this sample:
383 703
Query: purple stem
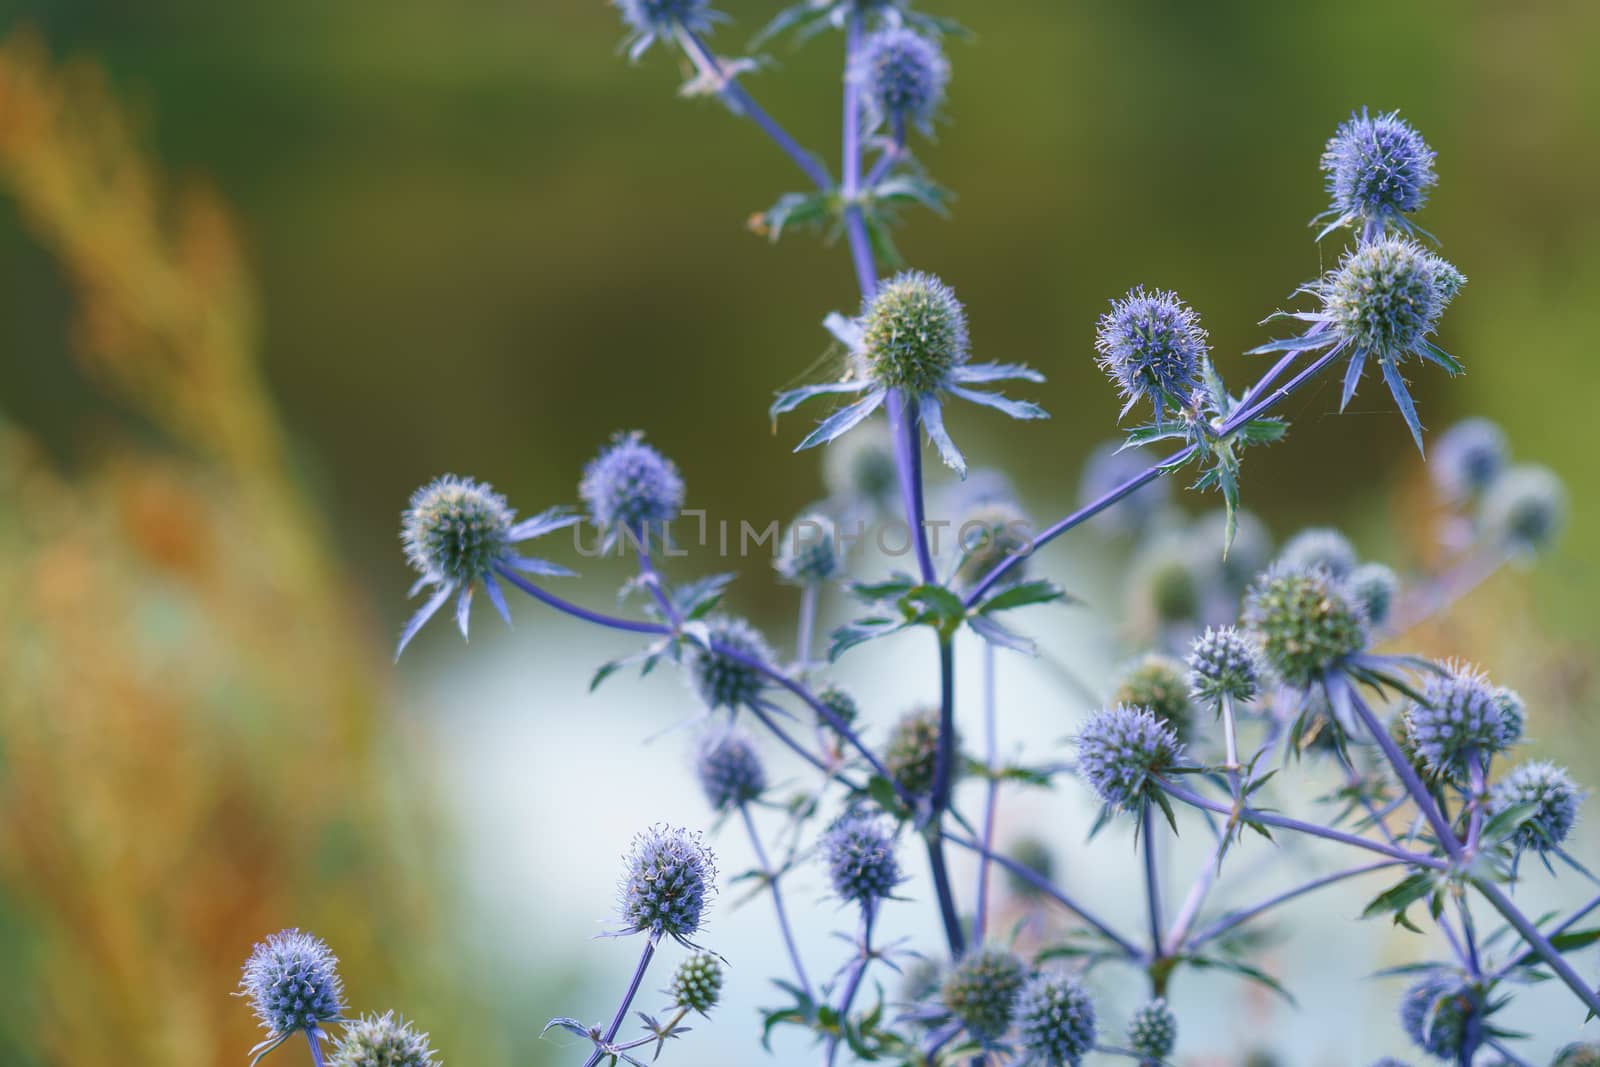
943 772
314 1039
1340 686
1045 886
740 100
627 1001
1286 823
1236 918
566 606
991 795
1152 879
771 877
857 972
1540 945
1560 928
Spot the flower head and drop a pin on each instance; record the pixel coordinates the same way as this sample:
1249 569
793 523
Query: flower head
1111 466
292 980
1467 458
1382 302
810 551
911 338
721 680
840 702
1578 1055
630 486
1167 584
1379 170
729 770
861 467
1375 587
697 983
859 852
1319 546
384 1040
913 749
1153 1030
1436 1013
1456 723
982 991
1225 662
987 536
1513 715
904 74
1152 345
1122 753
459 534
666 880
1055 1021
1555 800
650 21
1525 509
1307 621
1160 684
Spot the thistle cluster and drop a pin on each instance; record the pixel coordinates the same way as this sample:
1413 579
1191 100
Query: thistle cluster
1055 1021
1468 458
730 771
982 991
1457 725
1160 684
912 750
1225 663
987 535
810 552
697 983
1553 797
292 981
1152 346
1153 1031
384 1040
1123 752
904 74
913 334
649 21
668 878
859 853
1307 621
1379 170
1525 508
721 671
1437 1014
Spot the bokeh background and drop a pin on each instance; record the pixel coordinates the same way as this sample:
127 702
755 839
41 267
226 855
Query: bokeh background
266 267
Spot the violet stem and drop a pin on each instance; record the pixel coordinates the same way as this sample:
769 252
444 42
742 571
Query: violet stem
771 877
1540 945
853 986
627 1001
1402 766
569 608
1239 917
1555 931
943 773
314 1039
806 625
1152 879
992 793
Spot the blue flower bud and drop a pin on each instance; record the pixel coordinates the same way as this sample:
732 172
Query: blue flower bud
1375 587
1225 662
1457 723
1153 1031
809 551
1307 621
913 748
724 682
651 20
1378 169
1436 1013
982 991
1322 547
1554 796
1122 751
904 75
988 535
697 983
1055 1021
666 880
384 1040
631 486
1160 684
729 770
1525 509
1513 715
913 334
1152 346
456 530
1467 458
859 852
292 980
1386 297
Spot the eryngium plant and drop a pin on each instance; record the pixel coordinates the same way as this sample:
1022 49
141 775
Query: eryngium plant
1241 659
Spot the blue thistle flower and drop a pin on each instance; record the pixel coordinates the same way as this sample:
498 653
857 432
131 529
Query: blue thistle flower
729 769
912 338
1055 1021
650 21
1160 684
719 679
1457 722
1379 170
1525 509
1554 796
1436 1013
1319 546
630 486
1375 586
385 1040
986 536
697 983
1153 1030
903 74
860 468
1225 662
1123 752
982 991
1308 622
810 552
840 702
1467 458
912 749
666 881
1111 465
459 534
292 980
1381 302
1151 344
1513 715
859 852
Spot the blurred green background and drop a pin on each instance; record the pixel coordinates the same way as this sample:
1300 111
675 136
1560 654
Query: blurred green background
480 241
